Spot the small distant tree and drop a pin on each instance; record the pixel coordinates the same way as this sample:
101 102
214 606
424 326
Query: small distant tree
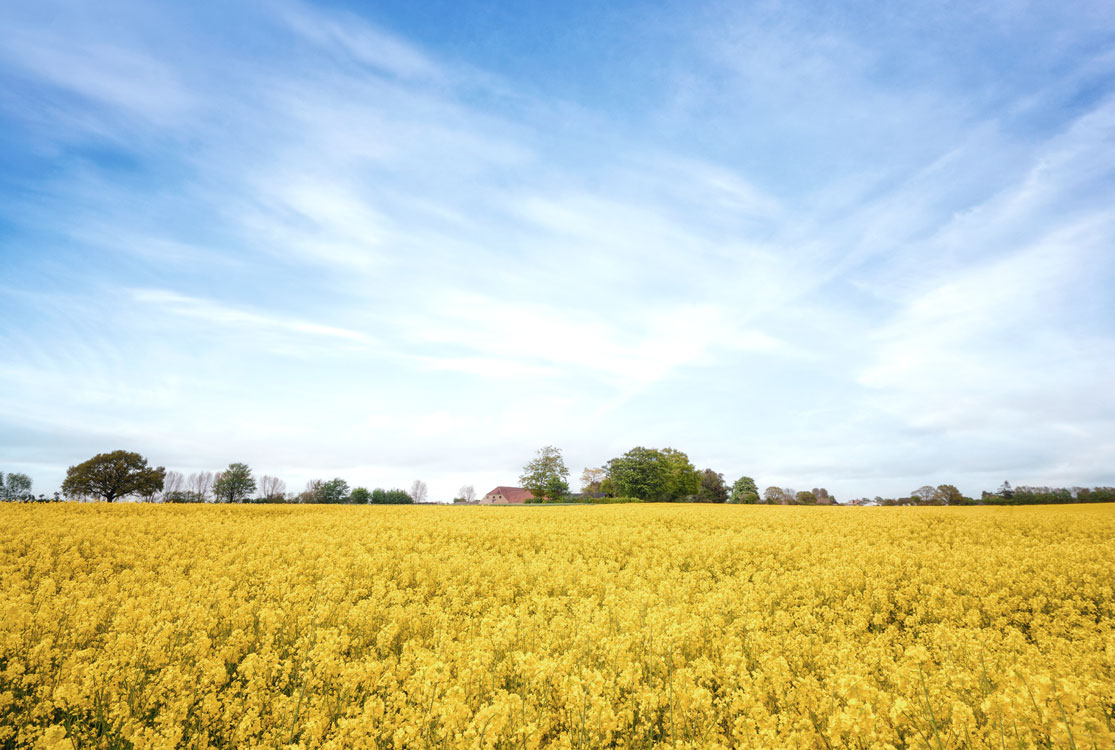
592 482
805 497
174 484
360 496
272 489
334 491
682 478
111 476
181 496
235 484
744 491
925 495
418 491
713 489
545 475
16 487
641 472
381 496
1005 491
778 496
199 485
949 495
312 492
467 494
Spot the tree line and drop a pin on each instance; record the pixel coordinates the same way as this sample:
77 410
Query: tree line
667 475
947 494
650 475
639 475
120 474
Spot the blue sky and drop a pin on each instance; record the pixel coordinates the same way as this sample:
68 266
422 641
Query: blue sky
865 247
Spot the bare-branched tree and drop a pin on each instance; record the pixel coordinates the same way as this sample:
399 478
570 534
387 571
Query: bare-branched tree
173 483
272 488
418 491
312 493
467 493
200 485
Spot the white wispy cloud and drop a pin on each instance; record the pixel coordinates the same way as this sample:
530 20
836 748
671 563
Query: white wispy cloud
123 80
226 316
369 45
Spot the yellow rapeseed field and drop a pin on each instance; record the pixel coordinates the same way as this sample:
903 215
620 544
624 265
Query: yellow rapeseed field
565 627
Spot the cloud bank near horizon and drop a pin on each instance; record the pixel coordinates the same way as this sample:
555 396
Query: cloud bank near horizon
865 252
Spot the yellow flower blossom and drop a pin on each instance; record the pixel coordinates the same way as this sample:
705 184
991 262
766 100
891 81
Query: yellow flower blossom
585 627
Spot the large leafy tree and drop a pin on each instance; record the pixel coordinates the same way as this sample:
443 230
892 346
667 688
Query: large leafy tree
926 495
334 491
641 472
713 489
234 484
777 495
545 475
745 491
111 476
806 497
949 495
682 478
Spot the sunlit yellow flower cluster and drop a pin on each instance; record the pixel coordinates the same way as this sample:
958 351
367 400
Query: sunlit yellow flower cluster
563 627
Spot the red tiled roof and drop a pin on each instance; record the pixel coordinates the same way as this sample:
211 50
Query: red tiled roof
513 494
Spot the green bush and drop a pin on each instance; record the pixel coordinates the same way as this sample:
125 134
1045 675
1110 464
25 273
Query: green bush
381 496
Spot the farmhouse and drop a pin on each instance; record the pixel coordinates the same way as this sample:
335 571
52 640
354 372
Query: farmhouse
507 496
